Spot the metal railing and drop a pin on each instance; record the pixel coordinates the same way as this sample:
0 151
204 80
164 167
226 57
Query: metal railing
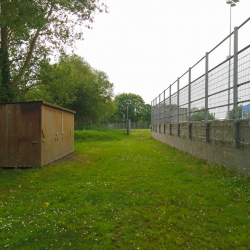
133 126
222 92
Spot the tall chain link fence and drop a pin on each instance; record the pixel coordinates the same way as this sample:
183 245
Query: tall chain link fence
205 93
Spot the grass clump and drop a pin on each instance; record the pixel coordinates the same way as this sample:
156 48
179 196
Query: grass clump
96 127
92 135
132 193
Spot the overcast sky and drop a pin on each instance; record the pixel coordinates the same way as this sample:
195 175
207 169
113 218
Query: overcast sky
143 45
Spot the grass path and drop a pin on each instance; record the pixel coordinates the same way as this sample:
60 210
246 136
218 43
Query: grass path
124 193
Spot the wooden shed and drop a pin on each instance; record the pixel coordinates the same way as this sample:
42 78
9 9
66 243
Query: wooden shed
34 133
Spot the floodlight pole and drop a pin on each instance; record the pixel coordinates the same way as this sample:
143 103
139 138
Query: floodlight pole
232 4
229 68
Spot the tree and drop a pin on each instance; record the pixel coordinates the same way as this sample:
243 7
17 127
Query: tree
74 84
6 93
94 96
146 113
133 102
199 114
32 30
231 116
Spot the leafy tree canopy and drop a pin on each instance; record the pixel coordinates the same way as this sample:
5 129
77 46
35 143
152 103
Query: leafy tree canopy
32 30
74 84
199 114
146 113
231 115
137 110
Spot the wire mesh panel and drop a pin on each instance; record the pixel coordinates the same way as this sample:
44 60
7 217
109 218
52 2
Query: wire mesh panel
220 90
154 111
214 94
183 103
158 111
173 107
244 76
167 107
161 108
198 99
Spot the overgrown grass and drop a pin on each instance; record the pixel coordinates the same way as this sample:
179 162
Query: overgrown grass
131 193
92 135
97 127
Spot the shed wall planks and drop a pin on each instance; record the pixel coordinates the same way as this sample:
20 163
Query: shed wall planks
34 133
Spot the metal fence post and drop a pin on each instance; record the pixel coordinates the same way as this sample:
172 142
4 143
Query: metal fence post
189 105
236 112
127 127
206 98
155 116
151 114
228 107
178 106
164 113
159 113
154 112
170 125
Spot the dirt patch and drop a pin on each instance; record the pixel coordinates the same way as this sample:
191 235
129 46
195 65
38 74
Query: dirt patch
72 156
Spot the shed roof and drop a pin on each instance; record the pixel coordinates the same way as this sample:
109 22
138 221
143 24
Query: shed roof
44 103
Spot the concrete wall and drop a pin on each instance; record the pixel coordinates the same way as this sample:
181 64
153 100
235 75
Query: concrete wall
220 148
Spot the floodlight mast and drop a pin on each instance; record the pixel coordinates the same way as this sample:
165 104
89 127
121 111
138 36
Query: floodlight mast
232 4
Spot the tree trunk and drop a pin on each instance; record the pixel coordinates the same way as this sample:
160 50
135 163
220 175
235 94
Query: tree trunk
6 93
4 36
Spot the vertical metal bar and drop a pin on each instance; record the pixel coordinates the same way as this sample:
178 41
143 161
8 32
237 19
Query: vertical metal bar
170 125
152 119
228 107
151 111
189 104
229 69
236 112
155 108
206 98
127 127
164 112
178 106
154 111
159 113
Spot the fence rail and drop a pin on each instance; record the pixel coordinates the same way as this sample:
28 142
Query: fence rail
134 126
222 92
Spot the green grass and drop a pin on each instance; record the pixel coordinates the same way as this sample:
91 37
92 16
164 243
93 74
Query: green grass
124 192
93 127
88 135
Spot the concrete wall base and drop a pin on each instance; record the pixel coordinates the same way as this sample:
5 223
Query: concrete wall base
220 148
